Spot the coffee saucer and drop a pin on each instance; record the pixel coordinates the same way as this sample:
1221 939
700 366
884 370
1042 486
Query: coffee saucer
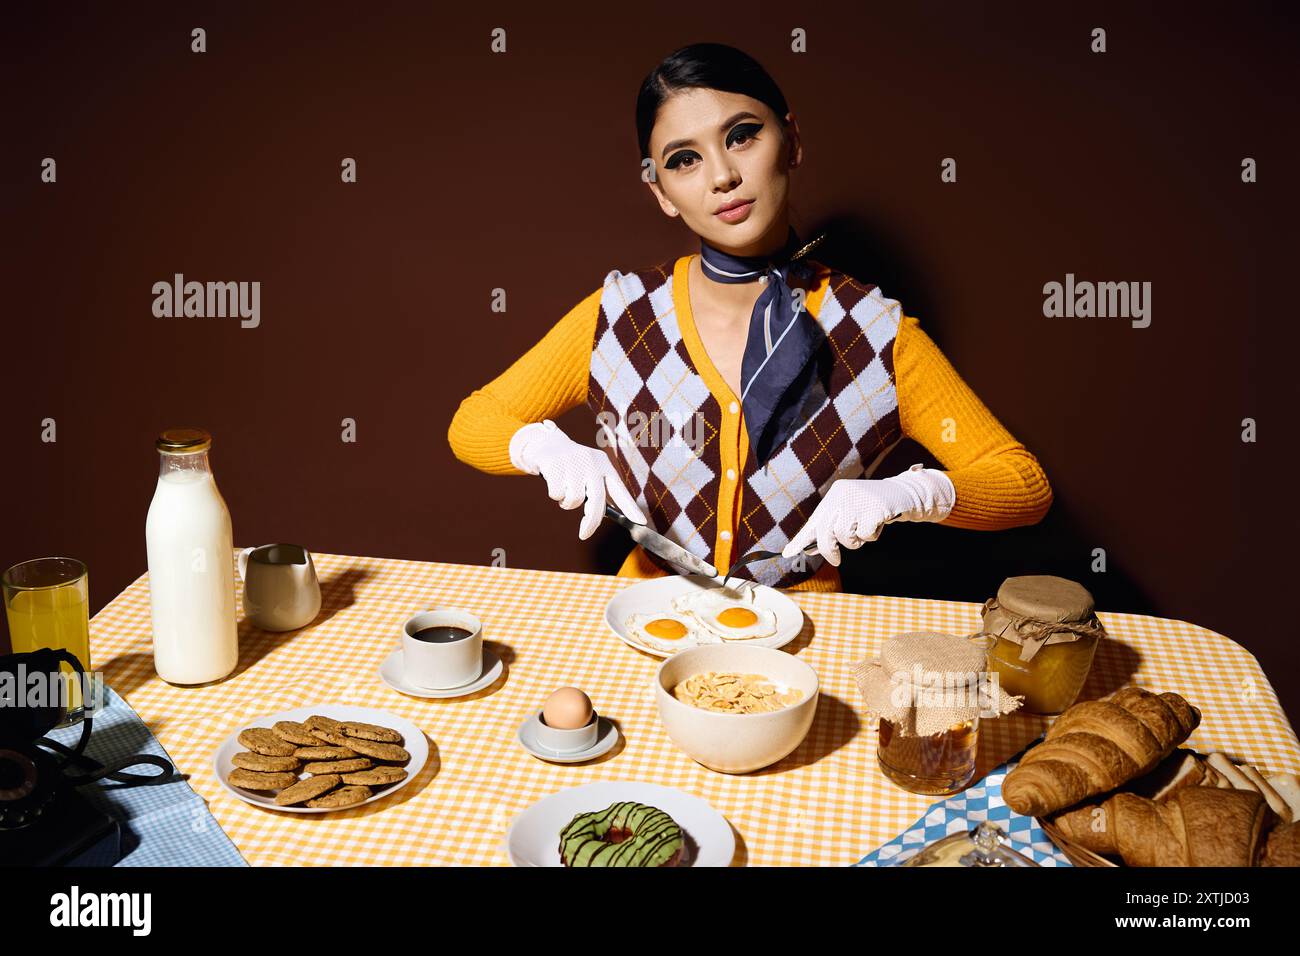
606 738
390 672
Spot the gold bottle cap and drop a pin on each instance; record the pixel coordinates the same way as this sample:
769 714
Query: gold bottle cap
184 441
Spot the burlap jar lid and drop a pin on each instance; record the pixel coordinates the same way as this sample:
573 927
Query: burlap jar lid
1037 609
1045 597
925 682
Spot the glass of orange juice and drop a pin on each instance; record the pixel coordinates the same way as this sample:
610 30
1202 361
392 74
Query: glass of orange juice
47 602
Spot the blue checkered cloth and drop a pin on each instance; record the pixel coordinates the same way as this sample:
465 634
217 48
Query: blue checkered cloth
960 813
164 825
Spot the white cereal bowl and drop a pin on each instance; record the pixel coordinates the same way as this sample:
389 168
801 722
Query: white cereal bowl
736 743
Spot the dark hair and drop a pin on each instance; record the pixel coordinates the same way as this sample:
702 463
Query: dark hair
711 66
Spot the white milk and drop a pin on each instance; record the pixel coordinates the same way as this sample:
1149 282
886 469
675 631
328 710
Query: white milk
191 576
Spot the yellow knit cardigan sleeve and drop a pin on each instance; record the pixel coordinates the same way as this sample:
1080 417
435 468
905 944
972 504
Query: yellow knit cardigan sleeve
547 381
999 483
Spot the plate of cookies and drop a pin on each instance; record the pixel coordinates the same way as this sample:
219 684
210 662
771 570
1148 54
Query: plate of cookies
321 758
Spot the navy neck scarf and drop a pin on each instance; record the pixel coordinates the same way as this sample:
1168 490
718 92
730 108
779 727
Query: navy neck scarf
781 339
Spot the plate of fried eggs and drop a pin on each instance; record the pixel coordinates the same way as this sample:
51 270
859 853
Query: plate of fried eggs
664 615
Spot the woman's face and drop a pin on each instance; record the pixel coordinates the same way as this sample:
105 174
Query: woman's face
712 149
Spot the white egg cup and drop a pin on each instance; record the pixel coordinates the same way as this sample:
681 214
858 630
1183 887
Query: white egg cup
566 741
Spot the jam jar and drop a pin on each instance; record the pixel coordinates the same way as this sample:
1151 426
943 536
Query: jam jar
1045 634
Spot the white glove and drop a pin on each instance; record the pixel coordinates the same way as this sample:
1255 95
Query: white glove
573 473
854 511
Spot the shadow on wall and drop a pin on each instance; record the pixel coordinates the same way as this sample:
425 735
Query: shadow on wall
926 560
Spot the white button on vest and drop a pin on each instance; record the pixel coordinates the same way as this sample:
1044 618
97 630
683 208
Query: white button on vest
731 474
725 536
734 408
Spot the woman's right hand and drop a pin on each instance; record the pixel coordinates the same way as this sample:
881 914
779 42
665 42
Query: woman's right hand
573 473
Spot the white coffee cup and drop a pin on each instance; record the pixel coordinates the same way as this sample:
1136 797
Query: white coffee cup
442 664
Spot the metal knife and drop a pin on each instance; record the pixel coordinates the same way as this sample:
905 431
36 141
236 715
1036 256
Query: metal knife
655 543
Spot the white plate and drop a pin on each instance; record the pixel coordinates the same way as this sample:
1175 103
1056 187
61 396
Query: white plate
390 672
656 596
534 835
413 741
606 738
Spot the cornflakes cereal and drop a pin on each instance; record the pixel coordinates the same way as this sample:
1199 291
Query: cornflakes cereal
727 693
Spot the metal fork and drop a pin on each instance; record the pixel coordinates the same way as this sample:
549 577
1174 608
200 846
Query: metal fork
753 556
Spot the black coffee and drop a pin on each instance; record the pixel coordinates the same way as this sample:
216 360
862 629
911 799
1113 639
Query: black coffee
442 634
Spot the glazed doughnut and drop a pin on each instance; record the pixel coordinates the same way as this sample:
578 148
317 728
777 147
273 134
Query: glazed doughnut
623 834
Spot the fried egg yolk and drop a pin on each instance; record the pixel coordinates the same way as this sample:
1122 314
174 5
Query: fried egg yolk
666 629
737 617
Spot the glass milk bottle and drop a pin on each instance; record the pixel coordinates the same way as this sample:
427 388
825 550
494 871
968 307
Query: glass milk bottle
191 565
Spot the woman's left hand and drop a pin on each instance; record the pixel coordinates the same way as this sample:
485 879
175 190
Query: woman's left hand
854 510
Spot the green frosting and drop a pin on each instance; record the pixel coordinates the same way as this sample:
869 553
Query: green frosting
655 837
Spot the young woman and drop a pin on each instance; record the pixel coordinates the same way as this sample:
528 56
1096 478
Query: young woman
744 396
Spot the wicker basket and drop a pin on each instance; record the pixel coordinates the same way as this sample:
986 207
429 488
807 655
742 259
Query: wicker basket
1076 854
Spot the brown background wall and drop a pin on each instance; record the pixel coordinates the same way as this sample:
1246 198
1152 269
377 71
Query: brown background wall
519 171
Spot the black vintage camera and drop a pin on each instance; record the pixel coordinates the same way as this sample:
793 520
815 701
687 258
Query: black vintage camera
40 812
29 776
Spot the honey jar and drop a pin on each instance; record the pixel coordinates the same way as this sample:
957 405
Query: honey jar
1045 634
929 691
936 764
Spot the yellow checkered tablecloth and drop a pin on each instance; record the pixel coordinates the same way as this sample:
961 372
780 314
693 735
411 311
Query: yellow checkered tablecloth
825 804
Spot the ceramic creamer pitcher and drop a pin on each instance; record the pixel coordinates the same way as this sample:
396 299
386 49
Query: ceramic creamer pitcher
281 591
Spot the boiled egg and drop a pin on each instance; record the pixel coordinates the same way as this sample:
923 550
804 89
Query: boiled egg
567 709
730 614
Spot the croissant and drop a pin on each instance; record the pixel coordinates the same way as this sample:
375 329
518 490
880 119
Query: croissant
1283 847
1086 824
1098 745
1193 826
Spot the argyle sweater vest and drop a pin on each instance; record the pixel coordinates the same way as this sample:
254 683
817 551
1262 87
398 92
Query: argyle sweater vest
660 423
